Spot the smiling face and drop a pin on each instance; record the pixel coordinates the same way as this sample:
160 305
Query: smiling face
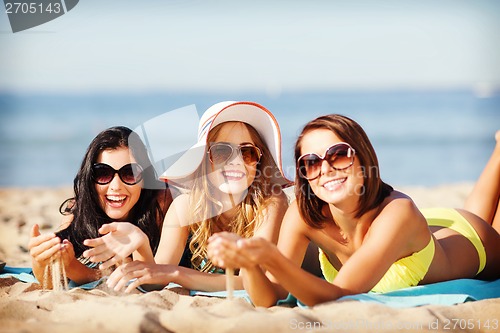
233 176
117 198
332 186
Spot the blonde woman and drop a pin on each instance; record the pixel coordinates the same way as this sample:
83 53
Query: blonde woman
235 183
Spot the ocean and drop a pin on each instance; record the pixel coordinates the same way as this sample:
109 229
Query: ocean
423 138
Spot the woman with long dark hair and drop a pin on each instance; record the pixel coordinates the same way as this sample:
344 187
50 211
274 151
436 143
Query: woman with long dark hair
115 191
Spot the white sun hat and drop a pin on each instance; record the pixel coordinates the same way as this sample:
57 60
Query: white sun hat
257 116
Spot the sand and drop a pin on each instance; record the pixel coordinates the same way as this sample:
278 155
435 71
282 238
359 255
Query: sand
25 307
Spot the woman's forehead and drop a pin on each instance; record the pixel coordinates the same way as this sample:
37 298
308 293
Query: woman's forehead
317 141
234 132
116 157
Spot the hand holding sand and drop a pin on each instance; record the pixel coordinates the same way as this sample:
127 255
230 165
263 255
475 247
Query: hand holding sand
50 258
43 247
230 250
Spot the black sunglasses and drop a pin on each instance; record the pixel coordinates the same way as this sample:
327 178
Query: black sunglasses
129 174
340 156
221 152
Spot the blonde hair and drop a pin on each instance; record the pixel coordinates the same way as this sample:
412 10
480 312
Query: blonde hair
206 209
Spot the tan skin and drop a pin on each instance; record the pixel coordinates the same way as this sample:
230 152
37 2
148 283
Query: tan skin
164 268
484 201
361 249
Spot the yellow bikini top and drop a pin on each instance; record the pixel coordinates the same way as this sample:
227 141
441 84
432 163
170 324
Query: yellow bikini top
405 272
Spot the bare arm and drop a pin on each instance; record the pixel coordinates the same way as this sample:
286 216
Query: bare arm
292 246
273 217
175 232
396 232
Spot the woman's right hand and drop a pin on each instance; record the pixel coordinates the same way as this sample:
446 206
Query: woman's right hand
43 248
119 240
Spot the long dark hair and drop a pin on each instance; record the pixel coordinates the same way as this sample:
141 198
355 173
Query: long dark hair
88 216
310 206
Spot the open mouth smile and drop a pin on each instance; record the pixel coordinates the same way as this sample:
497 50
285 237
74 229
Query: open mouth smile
116 201
334 184
233 175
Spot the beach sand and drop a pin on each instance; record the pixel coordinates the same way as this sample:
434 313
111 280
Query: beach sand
25 307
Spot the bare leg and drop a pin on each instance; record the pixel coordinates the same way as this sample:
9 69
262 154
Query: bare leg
496 219
484 198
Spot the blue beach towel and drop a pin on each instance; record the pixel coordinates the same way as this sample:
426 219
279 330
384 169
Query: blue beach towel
442 293
25 274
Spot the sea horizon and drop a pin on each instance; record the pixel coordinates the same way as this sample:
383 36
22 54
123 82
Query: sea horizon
424 137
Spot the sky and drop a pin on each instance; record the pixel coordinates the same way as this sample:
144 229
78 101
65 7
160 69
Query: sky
263 46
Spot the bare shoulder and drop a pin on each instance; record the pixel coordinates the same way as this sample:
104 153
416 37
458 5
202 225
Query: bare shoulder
400 221
278 199
398 202
398 210
178 213
181 203
294 220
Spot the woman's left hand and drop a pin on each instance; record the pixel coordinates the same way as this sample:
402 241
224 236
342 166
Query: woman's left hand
67 253
120 240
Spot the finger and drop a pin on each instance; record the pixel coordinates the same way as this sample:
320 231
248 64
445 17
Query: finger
100 253
66 254
67 243
38 240
119 272
94 251
123 274
107 228
53 252
136 283
113 278
105 256
217 261
35 230
94 242
125 279
108 263
39 247
251 243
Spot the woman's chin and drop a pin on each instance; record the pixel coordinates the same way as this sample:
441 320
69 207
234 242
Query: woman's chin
234 188
116 214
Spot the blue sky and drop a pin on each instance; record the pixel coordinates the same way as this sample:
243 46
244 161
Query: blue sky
259 46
